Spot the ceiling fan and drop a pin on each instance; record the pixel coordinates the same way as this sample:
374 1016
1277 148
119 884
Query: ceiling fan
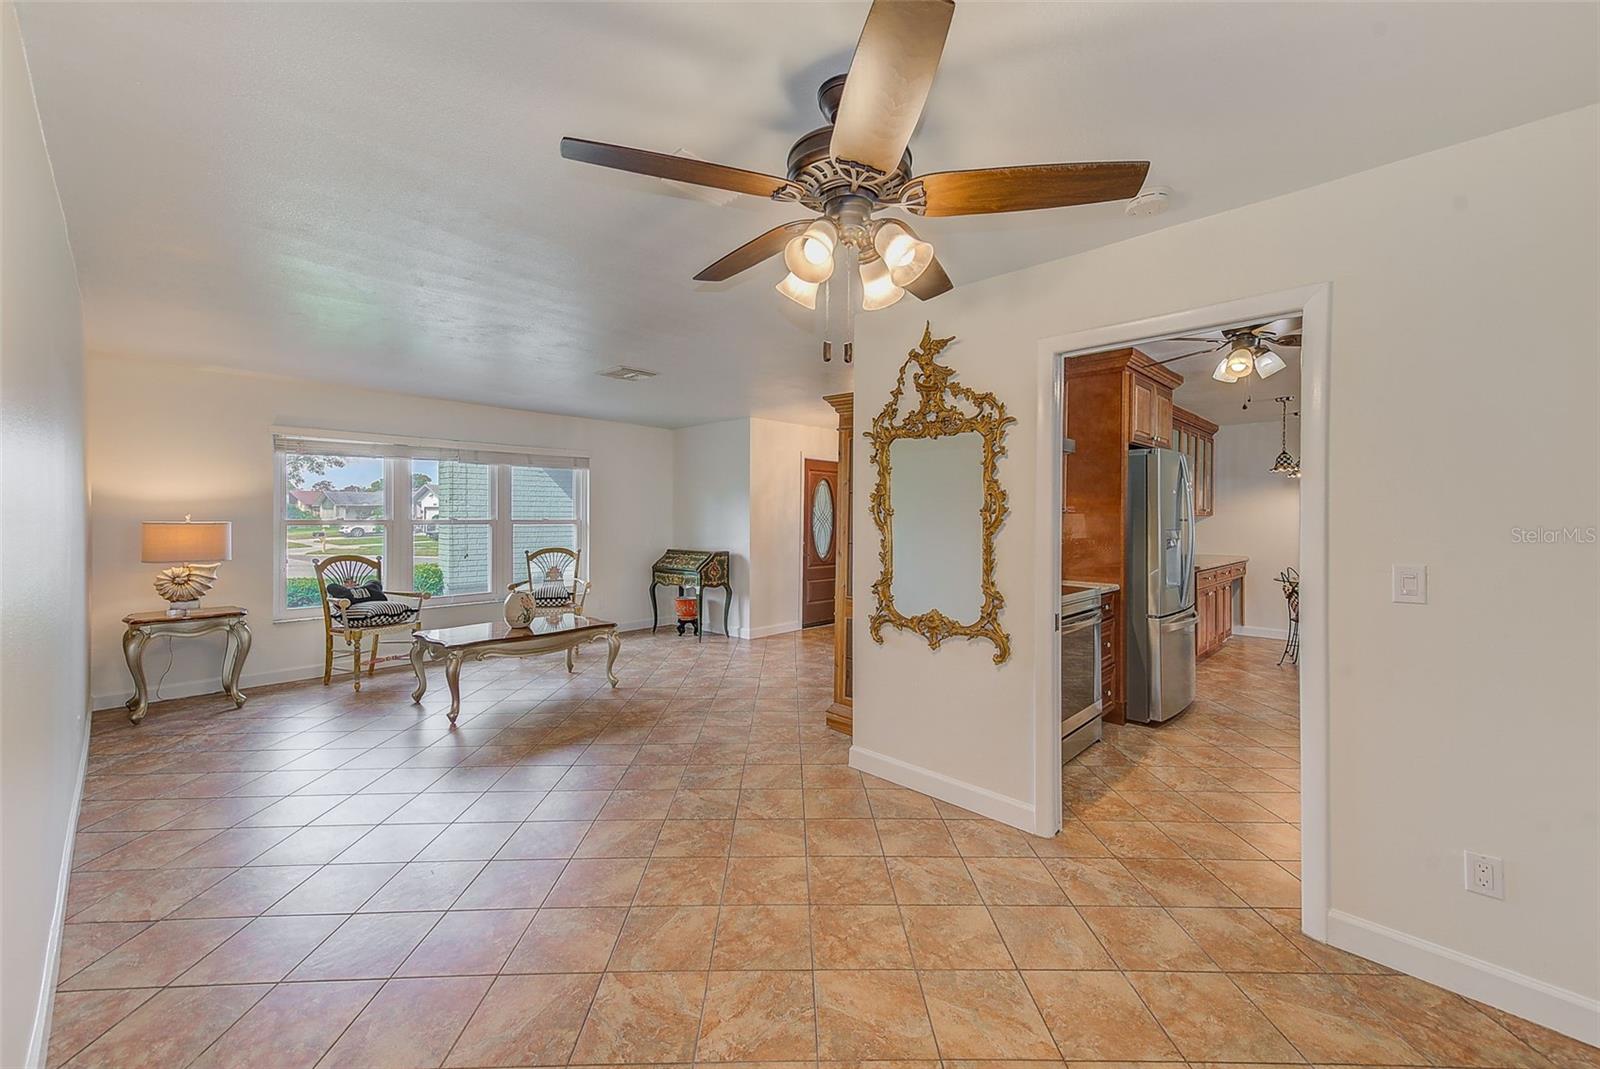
1257 349
858 165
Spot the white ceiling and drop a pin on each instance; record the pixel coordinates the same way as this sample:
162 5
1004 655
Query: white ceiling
372 194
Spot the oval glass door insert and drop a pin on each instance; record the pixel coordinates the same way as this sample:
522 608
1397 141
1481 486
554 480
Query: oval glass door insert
822 520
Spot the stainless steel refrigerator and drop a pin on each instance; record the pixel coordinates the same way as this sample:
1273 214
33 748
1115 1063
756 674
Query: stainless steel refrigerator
1160 593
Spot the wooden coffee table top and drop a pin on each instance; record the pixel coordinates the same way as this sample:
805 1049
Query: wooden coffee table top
493 634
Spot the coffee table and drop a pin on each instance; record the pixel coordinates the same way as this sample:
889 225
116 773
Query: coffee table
477 642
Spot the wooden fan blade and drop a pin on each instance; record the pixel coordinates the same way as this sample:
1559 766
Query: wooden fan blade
1185 356
675 168
753 252
931 282
1025 189
889 79
1278 329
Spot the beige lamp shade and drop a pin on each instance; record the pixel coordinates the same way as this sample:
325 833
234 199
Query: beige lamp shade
186 542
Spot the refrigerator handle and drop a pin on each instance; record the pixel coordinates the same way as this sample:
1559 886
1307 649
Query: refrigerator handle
1188 528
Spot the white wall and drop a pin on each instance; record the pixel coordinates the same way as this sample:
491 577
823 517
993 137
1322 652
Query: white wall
738 487
711 510
43 561
210 454
778 452
1438 449
1257 514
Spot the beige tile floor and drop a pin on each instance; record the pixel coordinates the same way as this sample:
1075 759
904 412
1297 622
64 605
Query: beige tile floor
686 870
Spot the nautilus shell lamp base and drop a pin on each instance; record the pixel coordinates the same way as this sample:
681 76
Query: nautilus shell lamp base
183 585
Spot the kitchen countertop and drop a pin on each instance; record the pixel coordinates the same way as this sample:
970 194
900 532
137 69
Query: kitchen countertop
1204 562
1100 588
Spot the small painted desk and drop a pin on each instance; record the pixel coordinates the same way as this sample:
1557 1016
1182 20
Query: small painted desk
143 626
475 642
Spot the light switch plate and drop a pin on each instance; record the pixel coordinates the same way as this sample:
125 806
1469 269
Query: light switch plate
1409 583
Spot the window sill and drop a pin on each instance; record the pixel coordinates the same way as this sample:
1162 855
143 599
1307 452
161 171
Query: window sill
431 603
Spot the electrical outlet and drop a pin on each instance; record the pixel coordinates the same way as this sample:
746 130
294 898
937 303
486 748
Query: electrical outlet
1485 875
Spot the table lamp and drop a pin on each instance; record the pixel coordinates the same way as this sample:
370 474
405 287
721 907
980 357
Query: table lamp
180 544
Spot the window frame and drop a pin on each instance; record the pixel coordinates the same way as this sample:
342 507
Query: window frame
578 520
400 527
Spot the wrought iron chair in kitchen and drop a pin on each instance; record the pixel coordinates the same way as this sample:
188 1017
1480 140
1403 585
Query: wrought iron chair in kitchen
356 604
1289 578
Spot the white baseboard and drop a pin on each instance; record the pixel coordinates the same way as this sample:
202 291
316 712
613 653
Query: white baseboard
189 688
39 1037
774 629
1279 633
1565 1011
979 800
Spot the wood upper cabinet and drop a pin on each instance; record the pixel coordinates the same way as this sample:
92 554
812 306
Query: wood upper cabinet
1196 438
1150 406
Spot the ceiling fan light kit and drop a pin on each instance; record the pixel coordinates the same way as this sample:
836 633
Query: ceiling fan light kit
809 257
1269 364
859 164
798 290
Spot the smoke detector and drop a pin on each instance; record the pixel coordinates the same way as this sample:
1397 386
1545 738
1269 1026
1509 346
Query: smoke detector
1152 201
626 374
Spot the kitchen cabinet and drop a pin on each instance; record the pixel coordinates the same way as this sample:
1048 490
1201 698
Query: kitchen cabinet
1112 705
1114 400
1196 438
1214 582
1150 413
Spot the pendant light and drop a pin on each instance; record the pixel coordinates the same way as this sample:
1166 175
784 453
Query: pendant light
1284 463
1222 374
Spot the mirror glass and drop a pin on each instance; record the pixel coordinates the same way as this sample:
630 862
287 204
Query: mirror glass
936 492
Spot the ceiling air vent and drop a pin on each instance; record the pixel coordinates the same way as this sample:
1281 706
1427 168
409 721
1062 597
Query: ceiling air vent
627 374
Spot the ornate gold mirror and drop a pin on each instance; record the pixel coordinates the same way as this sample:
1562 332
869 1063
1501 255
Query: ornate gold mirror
938 504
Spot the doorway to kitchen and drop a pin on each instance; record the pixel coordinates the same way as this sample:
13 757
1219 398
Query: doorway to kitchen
1185 513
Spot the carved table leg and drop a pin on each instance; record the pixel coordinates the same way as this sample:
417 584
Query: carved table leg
233 661
613 647
727 603
418 653
570 651
133 642
452 676
654 613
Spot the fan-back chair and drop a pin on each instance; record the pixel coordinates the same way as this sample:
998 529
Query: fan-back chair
356 604
553 579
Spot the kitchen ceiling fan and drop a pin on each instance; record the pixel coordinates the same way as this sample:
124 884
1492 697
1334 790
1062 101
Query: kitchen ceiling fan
1257 349
857 166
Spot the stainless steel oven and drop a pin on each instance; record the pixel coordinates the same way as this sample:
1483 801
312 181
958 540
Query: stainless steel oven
1080 669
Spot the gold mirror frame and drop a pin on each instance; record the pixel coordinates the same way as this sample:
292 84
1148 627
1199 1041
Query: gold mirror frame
942 410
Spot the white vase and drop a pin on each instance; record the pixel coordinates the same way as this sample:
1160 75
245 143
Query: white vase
520 609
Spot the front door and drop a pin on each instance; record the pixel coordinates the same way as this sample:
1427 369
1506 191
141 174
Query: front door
818 558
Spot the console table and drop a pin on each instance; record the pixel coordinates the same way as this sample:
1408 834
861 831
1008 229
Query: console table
697 568
476 642
143 626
